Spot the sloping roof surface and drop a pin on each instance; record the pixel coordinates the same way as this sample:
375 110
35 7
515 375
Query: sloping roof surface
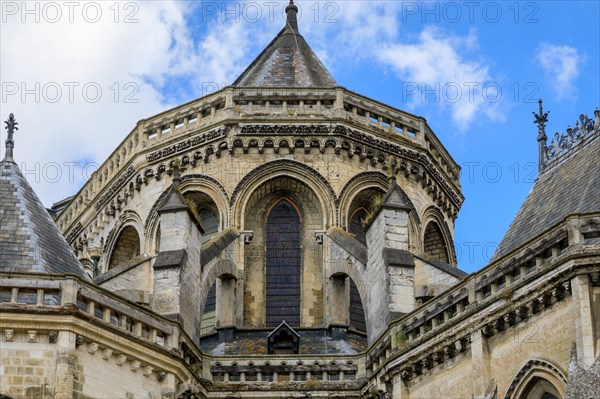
29 239
288 61
571 187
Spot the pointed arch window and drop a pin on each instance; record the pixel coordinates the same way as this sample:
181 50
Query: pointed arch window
283 263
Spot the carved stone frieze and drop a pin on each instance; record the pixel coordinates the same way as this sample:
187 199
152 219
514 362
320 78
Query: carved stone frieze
183 146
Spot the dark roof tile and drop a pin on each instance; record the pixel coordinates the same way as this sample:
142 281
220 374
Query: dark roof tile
29 239
571 187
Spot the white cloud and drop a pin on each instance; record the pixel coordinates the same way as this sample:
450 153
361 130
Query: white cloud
140 68
434 69
561 66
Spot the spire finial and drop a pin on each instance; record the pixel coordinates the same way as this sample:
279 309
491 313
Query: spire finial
292 17
392 171
176 170
540 119
11 126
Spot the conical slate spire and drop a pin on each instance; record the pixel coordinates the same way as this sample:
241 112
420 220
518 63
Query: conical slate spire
30 242
288 61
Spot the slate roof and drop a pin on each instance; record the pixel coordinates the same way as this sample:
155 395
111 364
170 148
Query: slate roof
288 61
29 239
572 186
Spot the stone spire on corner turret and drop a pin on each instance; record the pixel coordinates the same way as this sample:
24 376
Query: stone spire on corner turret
11 126
540 119
292 17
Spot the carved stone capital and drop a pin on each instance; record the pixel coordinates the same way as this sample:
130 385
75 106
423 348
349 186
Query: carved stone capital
9 335
31 336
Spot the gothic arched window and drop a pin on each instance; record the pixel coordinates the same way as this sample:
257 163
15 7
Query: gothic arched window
540 388
283 263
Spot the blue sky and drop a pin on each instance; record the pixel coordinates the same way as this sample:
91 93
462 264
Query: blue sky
474 69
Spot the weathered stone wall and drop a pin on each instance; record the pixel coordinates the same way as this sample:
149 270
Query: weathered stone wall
110 375
27 369
496 361
427 274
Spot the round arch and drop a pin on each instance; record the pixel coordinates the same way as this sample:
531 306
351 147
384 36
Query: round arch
212 272
538 379
433 214
130 223
282 168
211 188
358 183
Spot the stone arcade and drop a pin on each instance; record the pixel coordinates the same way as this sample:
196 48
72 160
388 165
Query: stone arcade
285 237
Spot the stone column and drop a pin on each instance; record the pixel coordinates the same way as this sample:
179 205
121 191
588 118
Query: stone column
480 356
399 390
584 322
66 359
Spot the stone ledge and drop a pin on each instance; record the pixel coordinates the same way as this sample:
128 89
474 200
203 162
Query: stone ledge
454 271
167 259
398 257
214 247
114 272
349 243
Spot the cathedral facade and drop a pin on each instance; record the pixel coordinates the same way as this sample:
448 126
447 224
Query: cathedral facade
285 237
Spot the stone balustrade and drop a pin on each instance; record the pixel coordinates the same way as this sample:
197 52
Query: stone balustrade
97 305
284 369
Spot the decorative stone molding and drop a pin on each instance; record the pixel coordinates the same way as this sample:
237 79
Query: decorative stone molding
79 340
9 335
135 365
32 336
107 353
92 348
52 337
161 376
121 359
247 236
115 187
564 142
319 237
148 371
202 139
